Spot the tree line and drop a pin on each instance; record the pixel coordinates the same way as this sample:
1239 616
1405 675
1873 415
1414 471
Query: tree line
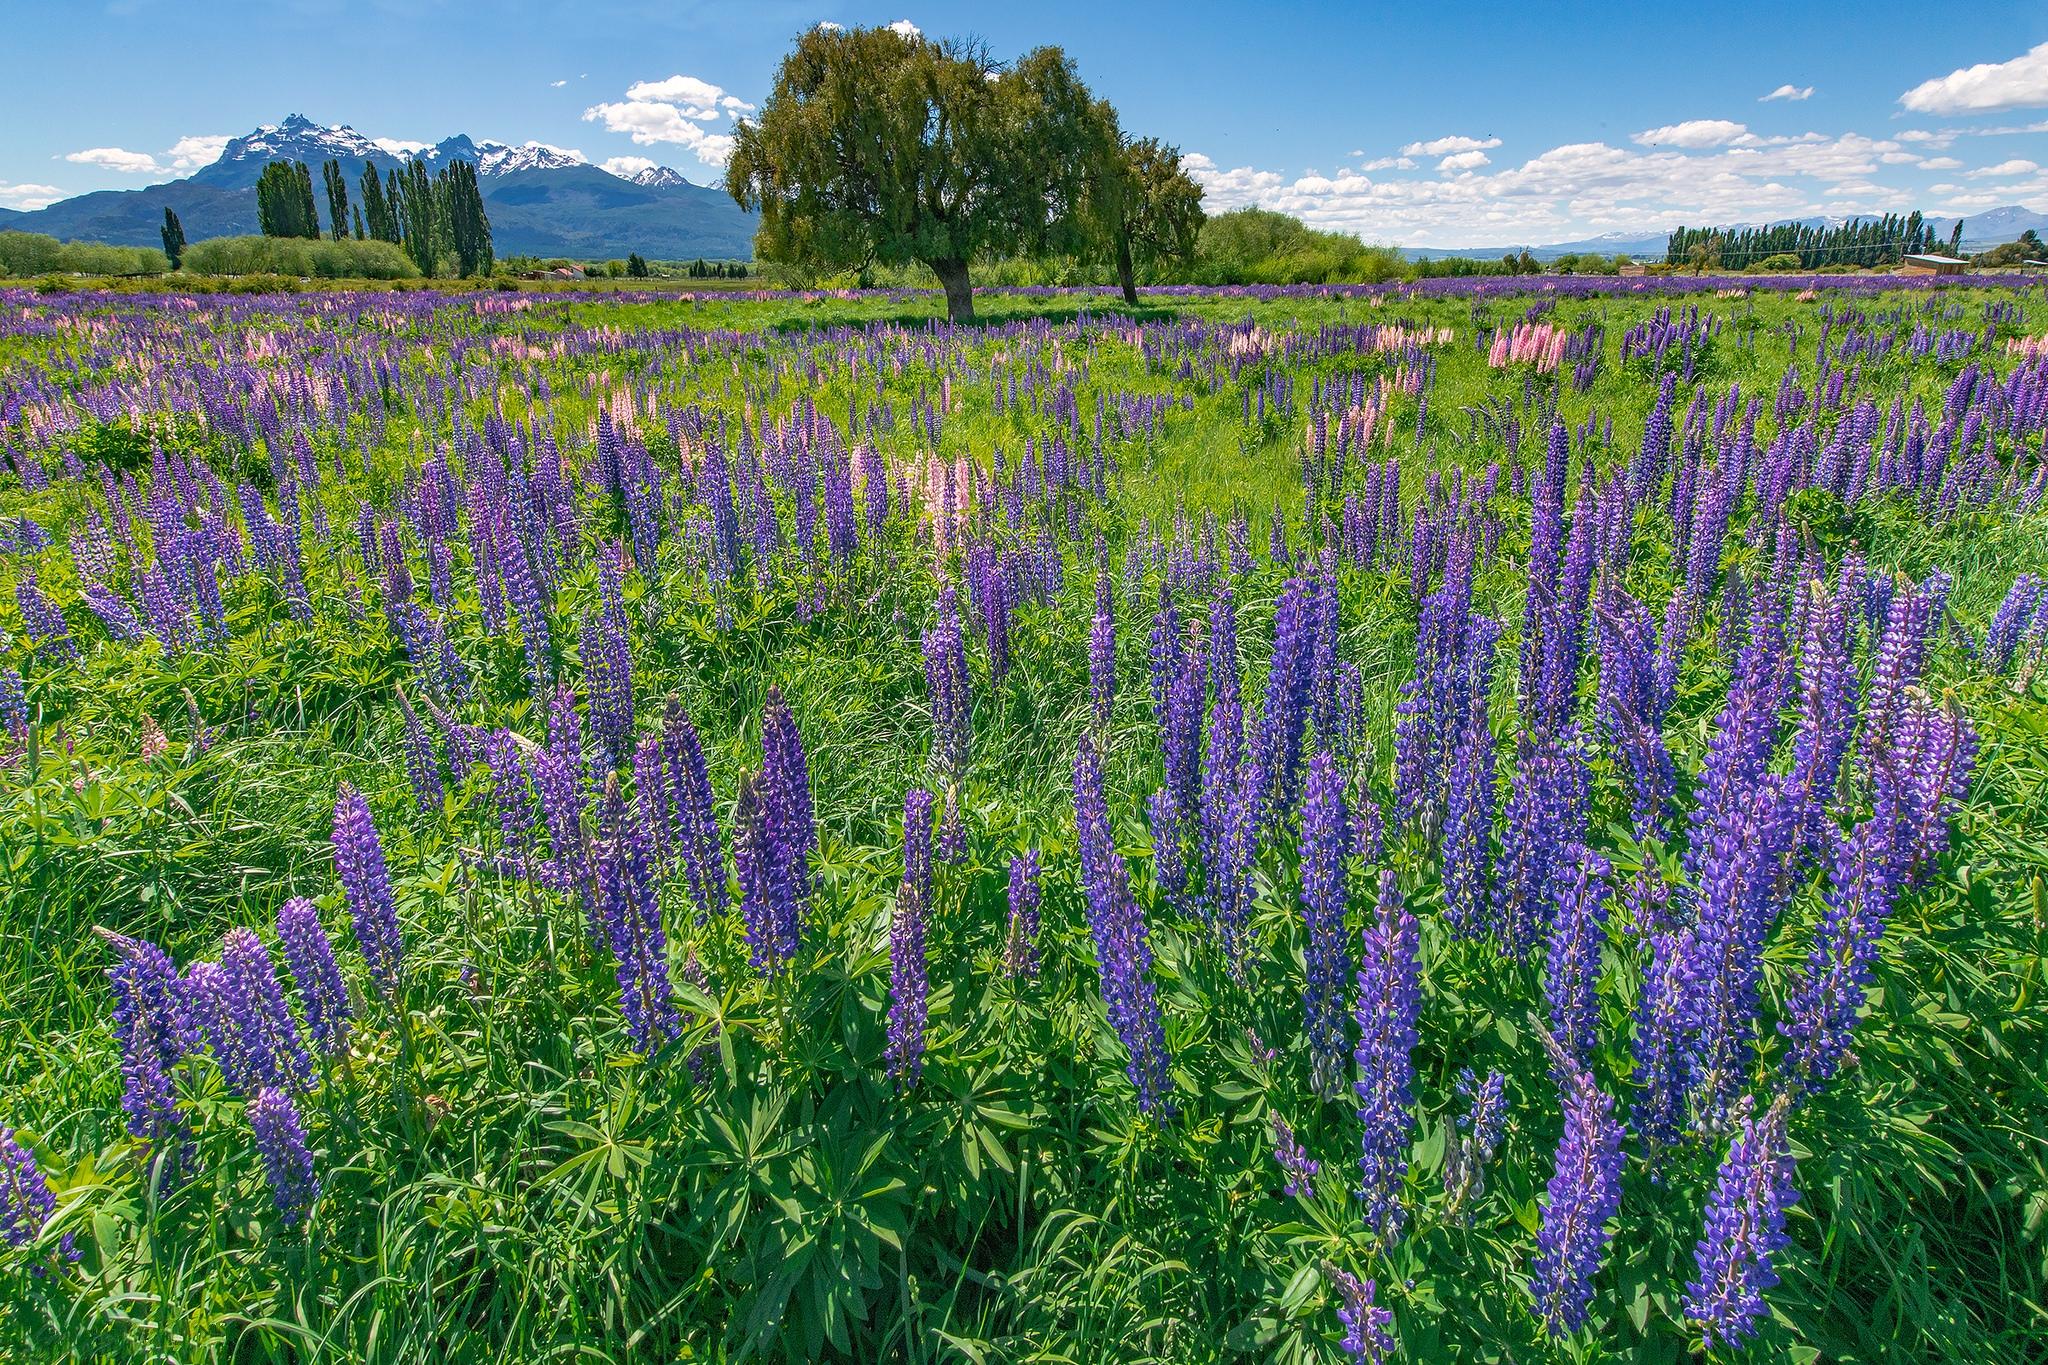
879 148
1858 242
438 220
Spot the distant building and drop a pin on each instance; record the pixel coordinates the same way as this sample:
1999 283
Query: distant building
1633 268
1930 264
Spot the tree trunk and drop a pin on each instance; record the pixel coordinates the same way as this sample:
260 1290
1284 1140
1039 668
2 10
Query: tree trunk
959 293
1124 274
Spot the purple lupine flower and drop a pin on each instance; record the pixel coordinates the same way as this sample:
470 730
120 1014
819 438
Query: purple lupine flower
786 788
1366 1339
948 689
26 1202
693 807
287 1164
1169 852
1480 1130
561 807
2023 605
1827 717
907 989
1584 1193
311 959
1578 929
1020 957
1180 739
266 1045
1277 744
511 794
1123 950
1745 1230
765 906
631 911
150 1027
1468 801
13 704
359 861
1102 654
1545 814
1296 1165
44 622
608 665
1325 838
1389 1004
1164 658
422 765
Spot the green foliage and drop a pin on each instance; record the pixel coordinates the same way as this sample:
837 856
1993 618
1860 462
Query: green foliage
32 253
310 257
337 199
1784 260
1258 246
1859 242
284 201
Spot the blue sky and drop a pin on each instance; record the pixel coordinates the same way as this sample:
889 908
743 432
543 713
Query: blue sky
1423 125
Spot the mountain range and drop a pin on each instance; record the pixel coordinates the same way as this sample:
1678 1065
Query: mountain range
542 201
1981 232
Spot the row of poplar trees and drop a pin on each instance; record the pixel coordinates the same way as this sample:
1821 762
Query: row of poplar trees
439 220
881 148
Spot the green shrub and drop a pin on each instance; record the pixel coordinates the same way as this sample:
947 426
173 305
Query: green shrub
299 256
32 253
1784 260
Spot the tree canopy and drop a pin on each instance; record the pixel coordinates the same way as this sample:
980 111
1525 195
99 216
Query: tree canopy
877 147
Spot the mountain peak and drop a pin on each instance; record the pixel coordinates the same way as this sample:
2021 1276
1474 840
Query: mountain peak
658 177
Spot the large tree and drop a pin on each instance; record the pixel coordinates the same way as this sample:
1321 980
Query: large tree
1148 209
876 146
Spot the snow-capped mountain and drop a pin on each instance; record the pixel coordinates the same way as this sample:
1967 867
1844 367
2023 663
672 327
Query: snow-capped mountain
542 200
658 177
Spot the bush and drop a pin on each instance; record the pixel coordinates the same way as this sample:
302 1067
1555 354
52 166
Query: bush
1784 260
299 256
32 253
1258 246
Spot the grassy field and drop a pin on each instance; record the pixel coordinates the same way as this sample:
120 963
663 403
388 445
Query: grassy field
273 527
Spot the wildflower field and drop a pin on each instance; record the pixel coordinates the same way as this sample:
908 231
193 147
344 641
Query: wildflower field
1432 822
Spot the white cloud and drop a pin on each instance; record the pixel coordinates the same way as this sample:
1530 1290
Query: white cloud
1444 146
698 99
1941 163
626 167
115 159
906 28
1356 151
2021 83
29 196
1233 189
1388 163
1699 132
1788 91
190 153
557 85
826 25
648 123
399 146
673 109
1464 161
1579 190
2003 169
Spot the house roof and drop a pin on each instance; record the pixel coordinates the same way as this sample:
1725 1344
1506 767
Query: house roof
1931 258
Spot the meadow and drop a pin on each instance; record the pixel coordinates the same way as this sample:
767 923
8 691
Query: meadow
1475 820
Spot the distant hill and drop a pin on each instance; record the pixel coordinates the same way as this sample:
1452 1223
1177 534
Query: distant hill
542 201
1981 232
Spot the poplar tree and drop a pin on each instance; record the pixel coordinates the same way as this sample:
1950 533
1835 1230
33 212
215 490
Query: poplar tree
337 197
173 233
